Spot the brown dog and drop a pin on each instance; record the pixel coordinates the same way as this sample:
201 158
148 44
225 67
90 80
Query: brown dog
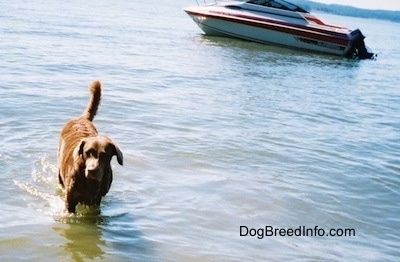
84 157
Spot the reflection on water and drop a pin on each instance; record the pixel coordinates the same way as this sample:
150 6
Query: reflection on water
84 241
232 43
91 236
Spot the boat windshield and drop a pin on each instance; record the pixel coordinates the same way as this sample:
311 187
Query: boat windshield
280 4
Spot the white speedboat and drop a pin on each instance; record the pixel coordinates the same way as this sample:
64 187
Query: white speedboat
277 22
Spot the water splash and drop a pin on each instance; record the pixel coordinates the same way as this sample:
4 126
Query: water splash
43 187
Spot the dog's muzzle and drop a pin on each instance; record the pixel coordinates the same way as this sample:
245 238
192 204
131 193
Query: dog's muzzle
93 174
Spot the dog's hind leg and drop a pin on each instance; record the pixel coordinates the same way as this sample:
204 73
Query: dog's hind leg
60 179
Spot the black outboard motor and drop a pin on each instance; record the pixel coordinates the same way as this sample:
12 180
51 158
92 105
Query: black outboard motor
358 49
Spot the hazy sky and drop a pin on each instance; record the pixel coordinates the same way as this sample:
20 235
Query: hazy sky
371 4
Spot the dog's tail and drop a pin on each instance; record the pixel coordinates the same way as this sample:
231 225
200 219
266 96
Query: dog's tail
94 102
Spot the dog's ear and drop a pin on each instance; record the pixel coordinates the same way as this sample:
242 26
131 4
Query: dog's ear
118 153
78 151
81 147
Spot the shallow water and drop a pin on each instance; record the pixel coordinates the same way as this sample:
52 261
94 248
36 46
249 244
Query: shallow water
216 134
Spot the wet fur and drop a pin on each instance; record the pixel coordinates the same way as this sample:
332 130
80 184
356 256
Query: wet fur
84 157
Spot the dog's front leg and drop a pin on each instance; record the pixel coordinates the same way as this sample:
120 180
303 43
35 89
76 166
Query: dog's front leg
70 203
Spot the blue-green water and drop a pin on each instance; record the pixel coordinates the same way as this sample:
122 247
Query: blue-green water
216 134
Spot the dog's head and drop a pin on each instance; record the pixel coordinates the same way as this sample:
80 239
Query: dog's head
96 153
